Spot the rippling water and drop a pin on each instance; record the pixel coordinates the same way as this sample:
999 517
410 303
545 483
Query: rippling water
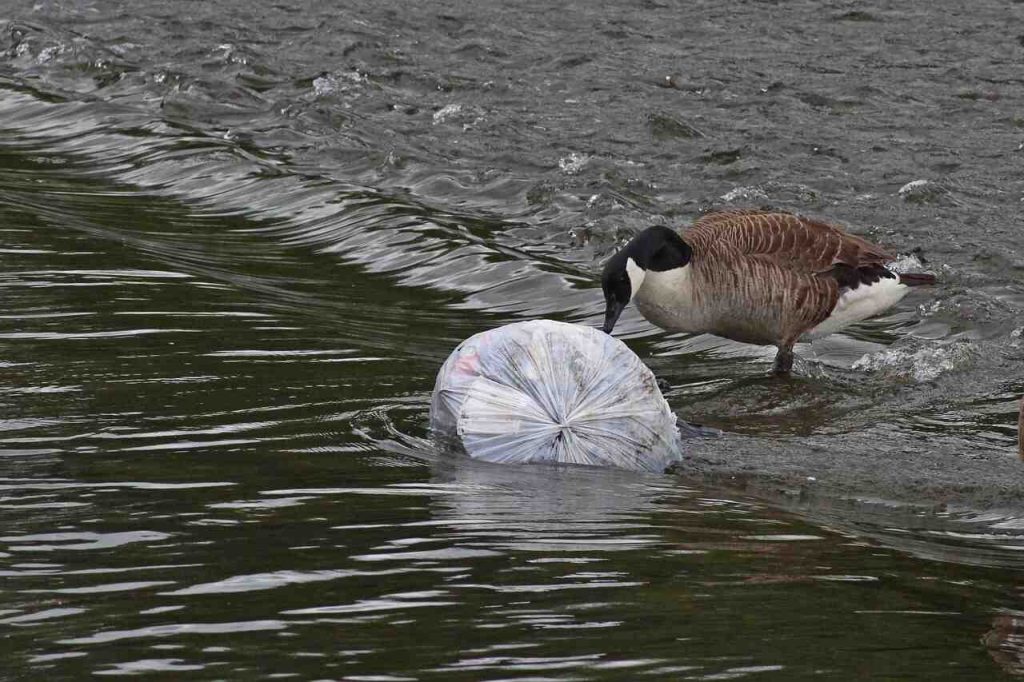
239 239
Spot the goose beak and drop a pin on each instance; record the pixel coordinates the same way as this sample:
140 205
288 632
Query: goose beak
611 315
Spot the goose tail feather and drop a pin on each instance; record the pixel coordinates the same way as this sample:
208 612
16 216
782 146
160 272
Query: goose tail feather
916 279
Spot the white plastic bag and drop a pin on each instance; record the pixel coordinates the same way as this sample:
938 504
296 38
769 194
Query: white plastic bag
546 391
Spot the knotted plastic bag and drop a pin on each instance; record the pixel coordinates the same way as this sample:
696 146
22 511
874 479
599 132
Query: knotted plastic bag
546 391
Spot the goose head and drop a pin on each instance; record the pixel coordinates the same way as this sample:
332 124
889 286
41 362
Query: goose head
656 249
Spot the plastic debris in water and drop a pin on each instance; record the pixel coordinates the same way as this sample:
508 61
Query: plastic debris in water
551 392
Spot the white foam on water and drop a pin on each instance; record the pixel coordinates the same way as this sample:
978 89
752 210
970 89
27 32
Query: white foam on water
920 364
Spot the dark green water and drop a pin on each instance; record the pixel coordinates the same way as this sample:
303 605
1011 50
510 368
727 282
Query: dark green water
237 245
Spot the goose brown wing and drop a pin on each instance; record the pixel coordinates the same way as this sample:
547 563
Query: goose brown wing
786 263
787 240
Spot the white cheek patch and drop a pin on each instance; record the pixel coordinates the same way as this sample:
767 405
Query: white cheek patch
636 276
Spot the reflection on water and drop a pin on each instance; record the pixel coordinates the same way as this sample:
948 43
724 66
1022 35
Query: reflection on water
236 251
459 568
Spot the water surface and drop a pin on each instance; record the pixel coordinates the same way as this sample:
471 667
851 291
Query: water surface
240 238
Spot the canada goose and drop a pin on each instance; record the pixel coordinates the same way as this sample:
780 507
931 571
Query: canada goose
765 277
